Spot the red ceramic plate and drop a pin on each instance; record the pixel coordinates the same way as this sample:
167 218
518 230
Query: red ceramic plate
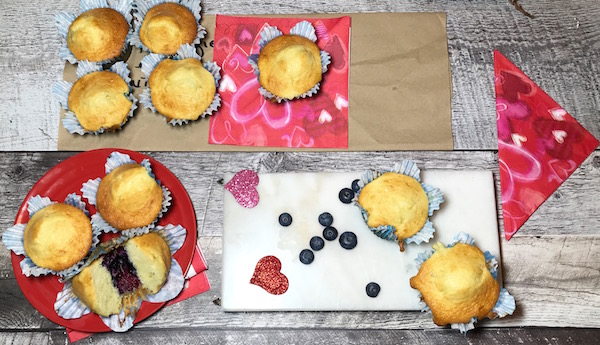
67 177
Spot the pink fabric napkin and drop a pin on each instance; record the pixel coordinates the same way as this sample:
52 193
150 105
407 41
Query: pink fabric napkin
196 283
246 118
539 144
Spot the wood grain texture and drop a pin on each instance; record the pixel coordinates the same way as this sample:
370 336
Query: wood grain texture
558 50
537 336
551 266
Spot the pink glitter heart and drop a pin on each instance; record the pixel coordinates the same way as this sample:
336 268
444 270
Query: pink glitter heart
243 188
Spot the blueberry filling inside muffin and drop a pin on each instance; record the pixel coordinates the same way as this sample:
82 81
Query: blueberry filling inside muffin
123 273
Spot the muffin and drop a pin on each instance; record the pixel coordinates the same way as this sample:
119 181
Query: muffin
396 200
138 268
289 65
99 101
97 35
57 237
166 27
181 89
456 284
128 197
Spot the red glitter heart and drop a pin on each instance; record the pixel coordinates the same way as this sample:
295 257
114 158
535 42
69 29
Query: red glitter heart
268 276
243 188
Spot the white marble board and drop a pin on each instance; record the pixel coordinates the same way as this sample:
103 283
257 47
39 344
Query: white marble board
337 277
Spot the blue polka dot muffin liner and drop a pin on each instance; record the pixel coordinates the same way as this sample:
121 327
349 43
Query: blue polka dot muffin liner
304 29
142 7
506 302
186 51
63 21
13 237
68 306
62 89
434 196
89 191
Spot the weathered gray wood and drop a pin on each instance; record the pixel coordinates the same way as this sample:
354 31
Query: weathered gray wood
558 49
551 266
536 336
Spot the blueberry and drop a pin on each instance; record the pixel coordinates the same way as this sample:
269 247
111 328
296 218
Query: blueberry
317 243
348 240
330 233
325 219
346 195
373 289
285 219
306 256
355 186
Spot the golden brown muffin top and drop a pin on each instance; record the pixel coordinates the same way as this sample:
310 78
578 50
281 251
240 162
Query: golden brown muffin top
289 66
397 200
128 197
58 236
98 34
456 284
181 89
166 27
99 100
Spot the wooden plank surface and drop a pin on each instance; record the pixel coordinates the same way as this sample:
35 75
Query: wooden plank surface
558 49
551 266
216 336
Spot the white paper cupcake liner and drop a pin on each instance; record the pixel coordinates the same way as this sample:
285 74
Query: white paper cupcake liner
13 237
186 51
142 7
68 306
116 159
89 190
304 29
62 89
505 304
63 21
434 197
124 321
174 235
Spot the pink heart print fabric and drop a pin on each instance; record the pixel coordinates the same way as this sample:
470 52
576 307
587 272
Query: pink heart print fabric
246 118
539 144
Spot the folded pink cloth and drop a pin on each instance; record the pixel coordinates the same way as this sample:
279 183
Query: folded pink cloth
539 144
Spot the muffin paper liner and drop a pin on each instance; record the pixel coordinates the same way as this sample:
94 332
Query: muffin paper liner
63 21
123 321
62 89
13 238
89 191
505 304
149 63
68 306
304 29
434 196
142 7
